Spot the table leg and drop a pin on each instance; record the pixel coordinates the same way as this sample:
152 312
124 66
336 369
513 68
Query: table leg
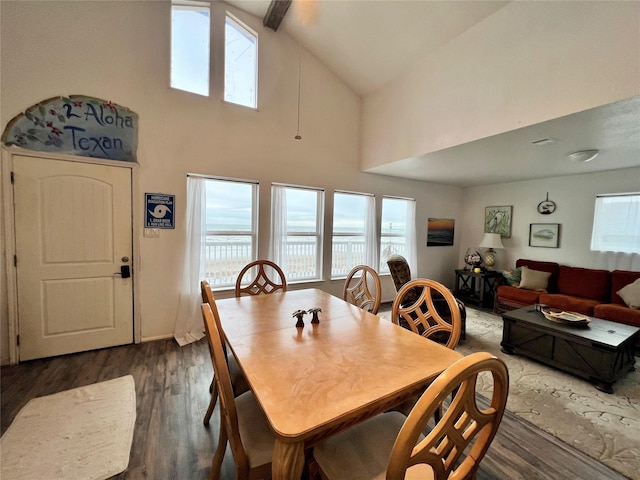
288 460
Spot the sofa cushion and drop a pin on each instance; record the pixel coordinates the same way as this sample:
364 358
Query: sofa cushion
517 295
513 276
569 303
620 279
618 313
585 283
631 294
534 279
550 267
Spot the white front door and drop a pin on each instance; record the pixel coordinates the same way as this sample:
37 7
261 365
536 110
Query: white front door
73 234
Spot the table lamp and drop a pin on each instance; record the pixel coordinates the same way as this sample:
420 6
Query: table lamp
491 241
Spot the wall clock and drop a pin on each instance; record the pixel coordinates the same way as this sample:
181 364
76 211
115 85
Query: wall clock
546 207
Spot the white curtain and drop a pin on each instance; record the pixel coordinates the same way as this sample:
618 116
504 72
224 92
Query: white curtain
412 248
189 326
617 261
371 234
278 240
615 239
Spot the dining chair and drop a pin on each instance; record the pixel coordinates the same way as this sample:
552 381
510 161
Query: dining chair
392 447
357 288
262 283
401 274
238 381
242 421
435 314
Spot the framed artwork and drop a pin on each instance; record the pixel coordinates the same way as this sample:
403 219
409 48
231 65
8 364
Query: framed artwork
544 235
498 220
440 232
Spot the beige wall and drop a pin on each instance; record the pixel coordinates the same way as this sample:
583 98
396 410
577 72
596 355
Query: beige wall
574 196
120 51
529 62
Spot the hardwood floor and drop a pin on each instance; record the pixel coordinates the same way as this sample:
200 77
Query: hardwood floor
170 441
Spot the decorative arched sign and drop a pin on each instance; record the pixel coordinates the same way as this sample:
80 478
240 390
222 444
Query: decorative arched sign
78 125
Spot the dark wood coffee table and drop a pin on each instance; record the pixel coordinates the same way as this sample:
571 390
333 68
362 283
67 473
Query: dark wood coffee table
601 352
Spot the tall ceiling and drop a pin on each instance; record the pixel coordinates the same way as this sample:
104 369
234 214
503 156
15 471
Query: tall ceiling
346 36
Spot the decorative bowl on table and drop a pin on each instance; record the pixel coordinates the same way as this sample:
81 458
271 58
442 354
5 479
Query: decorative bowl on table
564 317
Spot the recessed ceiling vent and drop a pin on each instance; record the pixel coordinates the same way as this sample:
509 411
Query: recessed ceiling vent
545 141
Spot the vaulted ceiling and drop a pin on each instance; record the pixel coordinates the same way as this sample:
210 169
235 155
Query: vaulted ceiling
368 43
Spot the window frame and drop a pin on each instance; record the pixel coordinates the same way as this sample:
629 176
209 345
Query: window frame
194 6
318 233
253 233
600 216
246 30
363 234
383 267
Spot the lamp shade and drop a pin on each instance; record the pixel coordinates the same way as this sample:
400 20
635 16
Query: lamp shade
491 240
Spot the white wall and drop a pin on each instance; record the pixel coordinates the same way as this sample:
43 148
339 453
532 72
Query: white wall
529 62
119 51
575 200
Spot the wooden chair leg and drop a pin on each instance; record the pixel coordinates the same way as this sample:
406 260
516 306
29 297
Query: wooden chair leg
218 457
212 405
212 386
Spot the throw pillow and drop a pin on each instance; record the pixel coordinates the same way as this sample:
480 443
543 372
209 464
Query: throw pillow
513 276
534 279
631 294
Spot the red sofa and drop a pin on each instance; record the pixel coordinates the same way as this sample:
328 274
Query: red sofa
588 291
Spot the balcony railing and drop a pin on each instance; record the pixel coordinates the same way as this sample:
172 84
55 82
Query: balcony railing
225 258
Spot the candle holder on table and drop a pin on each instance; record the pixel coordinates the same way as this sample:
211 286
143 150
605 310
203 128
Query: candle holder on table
314 311
299 314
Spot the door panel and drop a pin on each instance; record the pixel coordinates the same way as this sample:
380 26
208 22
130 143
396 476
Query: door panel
73 227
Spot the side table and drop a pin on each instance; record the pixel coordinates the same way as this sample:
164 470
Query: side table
476 288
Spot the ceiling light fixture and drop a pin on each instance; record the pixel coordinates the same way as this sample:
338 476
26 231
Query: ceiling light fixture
583 155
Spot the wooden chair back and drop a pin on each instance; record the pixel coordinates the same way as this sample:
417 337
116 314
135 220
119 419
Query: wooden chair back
357 288
207 294
464 427
435 313
207 297
228 411
261 283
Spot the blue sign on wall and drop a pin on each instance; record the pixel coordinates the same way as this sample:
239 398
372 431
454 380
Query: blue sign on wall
159 210
77 125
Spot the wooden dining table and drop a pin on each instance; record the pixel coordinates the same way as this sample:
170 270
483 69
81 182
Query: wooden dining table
320 379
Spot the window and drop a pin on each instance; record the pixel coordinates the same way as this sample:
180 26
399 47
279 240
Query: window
616 223
354 232
240 64
190 46
296 231
231 229
398 231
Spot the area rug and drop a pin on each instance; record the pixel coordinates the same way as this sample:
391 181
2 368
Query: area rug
604 426
79 434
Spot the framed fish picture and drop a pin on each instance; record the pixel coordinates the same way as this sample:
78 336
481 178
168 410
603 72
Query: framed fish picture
544 235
